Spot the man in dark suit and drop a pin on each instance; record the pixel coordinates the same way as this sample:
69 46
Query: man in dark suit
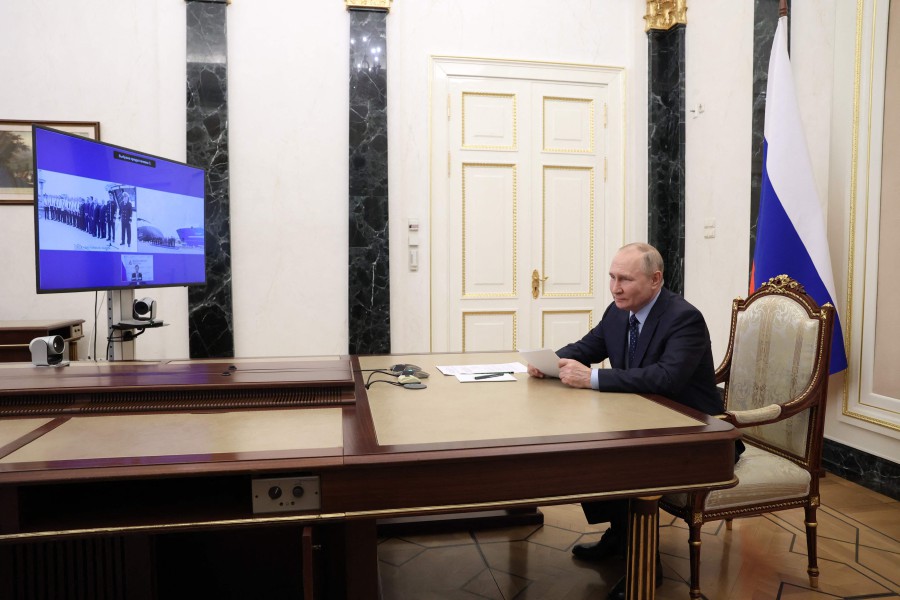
125 212
656 343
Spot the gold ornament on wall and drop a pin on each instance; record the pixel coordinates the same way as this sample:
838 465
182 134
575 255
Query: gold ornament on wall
384 5
665 14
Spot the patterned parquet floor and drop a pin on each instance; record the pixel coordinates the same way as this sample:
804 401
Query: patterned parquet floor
760 558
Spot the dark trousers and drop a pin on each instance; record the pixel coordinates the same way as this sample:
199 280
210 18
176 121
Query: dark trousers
614 512
126 231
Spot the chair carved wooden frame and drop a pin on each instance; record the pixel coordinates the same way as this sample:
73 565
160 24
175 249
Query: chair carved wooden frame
775 373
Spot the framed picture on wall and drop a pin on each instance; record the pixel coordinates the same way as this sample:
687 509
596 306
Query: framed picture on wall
17 161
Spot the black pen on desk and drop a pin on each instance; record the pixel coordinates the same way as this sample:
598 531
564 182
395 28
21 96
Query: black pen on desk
489 375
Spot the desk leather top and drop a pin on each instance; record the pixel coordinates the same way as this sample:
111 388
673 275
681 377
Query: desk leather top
173 435
385 421
450 411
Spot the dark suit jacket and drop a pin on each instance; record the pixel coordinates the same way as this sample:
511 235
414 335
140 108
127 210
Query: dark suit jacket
673 356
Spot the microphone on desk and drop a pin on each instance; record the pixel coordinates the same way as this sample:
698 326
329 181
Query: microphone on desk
411 382
405 369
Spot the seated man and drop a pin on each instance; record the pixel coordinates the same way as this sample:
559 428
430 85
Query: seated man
656 343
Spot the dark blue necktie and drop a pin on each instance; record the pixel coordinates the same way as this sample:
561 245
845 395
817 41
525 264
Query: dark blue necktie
632 339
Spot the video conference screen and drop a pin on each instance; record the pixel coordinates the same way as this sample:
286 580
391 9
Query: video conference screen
108 217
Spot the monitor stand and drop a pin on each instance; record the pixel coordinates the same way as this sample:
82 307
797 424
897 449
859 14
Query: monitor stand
115 308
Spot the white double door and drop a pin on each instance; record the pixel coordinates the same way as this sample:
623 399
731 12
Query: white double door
524 215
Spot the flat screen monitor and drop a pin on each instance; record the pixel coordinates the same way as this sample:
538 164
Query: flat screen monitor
108 217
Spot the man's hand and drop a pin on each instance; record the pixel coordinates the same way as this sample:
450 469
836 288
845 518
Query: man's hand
574 374
533 371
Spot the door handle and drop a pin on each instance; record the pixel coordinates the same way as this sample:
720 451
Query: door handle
536 281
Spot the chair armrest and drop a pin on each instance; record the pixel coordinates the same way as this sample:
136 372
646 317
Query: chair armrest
764 414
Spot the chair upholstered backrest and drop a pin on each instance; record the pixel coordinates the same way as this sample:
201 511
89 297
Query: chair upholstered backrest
774 354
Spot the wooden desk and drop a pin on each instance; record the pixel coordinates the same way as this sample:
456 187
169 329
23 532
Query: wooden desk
394 451
16 335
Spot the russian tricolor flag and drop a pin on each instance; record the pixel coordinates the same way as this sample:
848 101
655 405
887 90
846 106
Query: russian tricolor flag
790 232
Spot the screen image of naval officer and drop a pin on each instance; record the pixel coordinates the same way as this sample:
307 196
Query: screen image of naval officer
126 211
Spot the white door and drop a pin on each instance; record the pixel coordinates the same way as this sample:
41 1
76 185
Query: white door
523 208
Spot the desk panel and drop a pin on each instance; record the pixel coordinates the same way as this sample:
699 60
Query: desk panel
13 429
450 411
450 414
86 438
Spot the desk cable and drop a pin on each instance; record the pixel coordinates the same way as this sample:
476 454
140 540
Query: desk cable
126 336
403 380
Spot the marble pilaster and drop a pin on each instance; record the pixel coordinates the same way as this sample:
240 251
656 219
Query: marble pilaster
666 150
369 268
210 315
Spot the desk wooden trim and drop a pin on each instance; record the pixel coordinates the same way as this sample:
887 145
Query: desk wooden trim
15 336
360 482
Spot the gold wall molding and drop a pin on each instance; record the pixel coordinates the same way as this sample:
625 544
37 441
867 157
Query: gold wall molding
384 5
855 403
665 14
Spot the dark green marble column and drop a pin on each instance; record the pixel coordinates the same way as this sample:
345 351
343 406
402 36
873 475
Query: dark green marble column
369 267
666 140
210 308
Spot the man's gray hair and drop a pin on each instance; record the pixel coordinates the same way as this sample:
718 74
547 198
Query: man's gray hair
651 259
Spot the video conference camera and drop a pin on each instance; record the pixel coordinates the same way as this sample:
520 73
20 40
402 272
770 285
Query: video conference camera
144 309
48 351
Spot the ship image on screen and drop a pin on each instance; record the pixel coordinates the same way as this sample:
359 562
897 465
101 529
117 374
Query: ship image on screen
107 217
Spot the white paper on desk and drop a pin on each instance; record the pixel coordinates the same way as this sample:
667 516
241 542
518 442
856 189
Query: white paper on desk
474 378
476 369
546 361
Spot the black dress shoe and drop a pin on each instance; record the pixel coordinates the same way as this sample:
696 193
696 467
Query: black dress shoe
611 545
618 590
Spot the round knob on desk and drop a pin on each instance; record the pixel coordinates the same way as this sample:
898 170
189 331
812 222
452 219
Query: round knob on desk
297 491
274 492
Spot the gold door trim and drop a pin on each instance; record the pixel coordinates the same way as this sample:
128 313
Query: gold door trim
589 312
515 324
544 147
544 292
515 229
515 122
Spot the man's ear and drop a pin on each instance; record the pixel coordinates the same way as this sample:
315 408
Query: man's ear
657 279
